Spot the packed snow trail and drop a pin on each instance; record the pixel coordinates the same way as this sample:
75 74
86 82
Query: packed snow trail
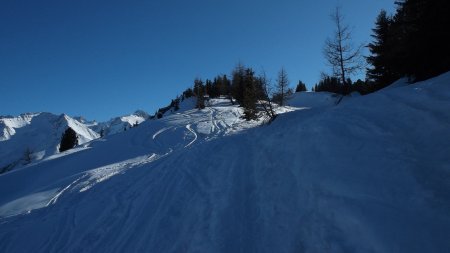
368 175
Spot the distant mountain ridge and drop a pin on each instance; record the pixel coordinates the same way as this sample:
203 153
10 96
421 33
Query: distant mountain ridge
120 124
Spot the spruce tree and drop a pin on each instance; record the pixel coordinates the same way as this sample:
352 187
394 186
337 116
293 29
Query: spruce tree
416 43
424 24
301 86
68 140
381 72
176 105
209 88
188 93
250 94
237 83
226 88
199 91
330 84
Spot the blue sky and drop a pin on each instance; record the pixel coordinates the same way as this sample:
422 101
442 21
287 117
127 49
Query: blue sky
102 59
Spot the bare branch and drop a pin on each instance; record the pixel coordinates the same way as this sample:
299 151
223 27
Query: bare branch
267 89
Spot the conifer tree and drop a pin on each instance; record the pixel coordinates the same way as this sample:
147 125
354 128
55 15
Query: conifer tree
413 43
68 140
176 105
188 93
330 84
249 95
226 88
199 91
301 86
215 88
208 87
381 71
237 83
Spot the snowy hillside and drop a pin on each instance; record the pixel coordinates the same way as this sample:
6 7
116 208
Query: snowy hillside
368 175
312 99
154 138
120 124
40 133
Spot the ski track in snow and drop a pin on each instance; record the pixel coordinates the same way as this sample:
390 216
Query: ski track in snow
188 127
160 132
55 199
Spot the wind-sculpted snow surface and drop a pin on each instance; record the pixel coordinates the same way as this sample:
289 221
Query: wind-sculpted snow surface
369 175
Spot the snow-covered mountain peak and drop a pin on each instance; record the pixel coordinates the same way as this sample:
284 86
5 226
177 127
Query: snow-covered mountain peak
8 124
38 133
120 124
142 114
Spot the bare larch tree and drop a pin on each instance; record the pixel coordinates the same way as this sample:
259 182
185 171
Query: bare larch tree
341 54
282 86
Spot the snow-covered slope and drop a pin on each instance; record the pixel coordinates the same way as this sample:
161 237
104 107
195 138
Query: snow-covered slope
312 99
120 124
368 175
39 133
152 138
